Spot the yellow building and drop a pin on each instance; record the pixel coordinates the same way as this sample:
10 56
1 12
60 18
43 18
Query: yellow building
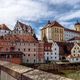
77 26
53 31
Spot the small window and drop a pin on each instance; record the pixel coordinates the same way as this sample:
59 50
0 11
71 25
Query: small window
24 49
27 60
18 49
47 53
28 54
29 49
55 48
34 55
34 60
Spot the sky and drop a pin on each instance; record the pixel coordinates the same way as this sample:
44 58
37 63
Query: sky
37 12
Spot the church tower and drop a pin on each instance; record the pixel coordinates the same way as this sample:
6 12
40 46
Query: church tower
77 26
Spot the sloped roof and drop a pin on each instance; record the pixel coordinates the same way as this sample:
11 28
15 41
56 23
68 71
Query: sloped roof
24 26
65 47
47 46
66 29
52 24
3 27
74 38
18 38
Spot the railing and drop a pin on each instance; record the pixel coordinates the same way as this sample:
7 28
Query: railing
10 71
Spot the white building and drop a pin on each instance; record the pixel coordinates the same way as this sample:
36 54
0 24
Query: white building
75 54
69 34
4 30
51 52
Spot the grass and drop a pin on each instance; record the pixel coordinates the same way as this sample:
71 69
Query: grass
73 74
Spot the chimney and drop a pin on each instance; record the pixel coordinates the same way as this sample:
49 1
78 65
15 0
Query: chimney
49 22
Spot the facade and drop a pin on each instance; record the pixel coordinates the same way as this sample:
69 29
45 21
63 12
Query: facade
22 29
51 51
4 30
69 34
27 44
75 54
54 31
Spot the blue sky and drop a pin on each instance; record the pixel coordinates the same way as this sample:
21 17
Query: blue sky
37 12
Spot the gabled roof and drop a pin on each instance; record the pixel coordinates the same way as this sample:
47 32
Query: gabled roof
65 48
47 46
24 26
52 24
3 27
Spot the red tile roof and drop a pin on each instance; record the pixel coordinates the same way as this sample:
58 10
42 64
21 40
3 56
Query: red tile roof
52 24
4 27
74 38
66 29
47 46
22 38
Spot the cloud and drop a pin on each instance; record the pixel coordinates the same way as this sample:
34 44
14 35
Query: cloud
70 16
38 12
12 10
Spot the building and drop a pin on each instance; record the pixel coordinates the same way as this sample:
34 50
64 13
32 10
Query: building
22 29
51 52
4 30
54 31
69 34
75 54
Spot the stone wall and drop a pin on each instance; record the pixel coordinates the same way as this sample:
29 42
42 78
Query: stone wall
10 71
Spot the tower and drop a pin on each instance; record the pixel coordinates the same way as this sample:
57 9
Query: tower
77 26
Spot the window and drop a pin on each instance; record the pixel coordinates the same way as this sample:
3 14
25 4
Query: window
18 49
28 54
76 58
29 49
34 60
47 53
55 53
55 48
34 49
24 49
55 57
74 51
27 60
34 55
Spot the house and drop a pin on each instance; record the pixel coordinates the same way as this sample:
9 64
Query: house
22 29
57 51
4 30
53 31
75 54
51 52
